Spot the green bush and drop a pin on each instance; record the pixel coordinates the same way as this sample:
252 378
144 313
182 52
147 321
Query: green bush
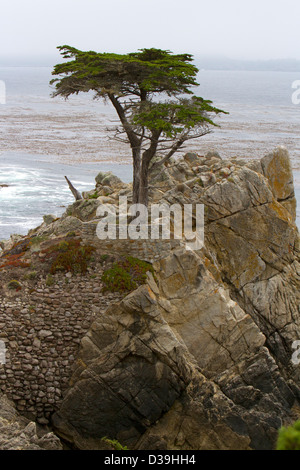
30 276
71 256
14 285
50 280
114 444
289 438
126 275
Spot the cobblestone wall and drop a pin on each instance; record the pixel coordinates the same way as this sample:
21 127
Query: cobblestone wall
42 327
42 331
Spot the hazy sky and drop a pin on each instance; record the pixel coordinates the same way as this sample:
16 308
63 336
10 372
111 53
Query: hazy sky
243 29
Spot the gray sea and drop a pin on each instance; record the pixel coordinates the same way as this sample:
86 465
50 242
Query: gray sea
42 139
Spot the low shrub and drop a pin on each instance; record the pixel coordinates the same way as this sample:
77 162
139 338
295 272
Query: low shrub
93 196
13 261
114 444
289 437
126 274
14 285
38 239
71 256
49 280
30 276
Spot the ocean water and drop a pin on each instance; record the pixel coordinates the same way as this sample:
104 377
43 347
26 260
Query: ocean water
42 139
37 187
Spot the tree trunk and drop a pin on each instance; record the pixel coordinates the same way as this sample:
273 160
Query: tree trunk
136 175
143 189
144 172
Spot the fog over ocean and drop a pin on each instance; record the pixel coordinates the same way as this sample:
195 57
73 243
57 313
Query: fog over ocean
42 139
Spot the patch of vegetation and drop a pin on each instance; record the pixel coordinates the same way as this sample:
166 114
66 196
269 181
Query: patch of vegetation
70 256
13 261
126 275
38 239
114 444
289 438
93 196
50 280
19 247
30 276
13 257
14 285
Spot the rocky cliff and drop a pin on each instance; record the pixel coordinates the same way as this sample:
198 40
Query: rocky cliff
200 356
18 433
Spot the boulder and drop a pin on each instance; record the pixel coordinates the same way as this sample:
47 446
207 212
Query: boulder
108 179
49 218
83 210
277 169
18 433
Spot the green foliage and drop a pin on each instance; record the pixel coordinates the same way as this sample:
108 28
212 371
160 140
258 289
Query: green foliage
114 444
126 275
49 280
14 285
38 239
71 256
174 117
132 83
289 437
142 74
31 276
93 196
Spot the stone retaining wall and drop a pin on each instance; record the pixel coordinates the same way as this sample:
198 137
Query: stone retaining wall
42 327
146 250
42 330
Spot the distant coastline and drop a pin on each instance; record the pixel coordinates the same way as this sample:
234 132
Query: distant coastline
202 62
223 63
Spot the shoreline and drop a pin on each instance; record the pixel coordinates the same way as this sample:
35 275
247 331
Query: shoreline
11 158
73 160
46 173
36 186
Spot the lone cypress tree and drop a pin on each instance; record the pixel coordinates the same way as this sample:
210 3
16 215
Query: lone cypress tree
155 129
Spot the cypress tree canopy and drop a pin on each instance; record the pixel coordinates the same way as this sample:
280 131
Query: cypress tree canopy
141 73
151 92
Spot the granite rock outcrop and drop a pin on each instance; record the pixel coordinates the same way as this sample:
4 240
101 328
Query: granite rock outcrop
200 357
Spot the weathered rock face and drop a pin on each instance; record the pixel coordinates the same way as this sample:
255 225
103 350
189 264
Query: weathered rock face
252 239
177 365
17 433
200 356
